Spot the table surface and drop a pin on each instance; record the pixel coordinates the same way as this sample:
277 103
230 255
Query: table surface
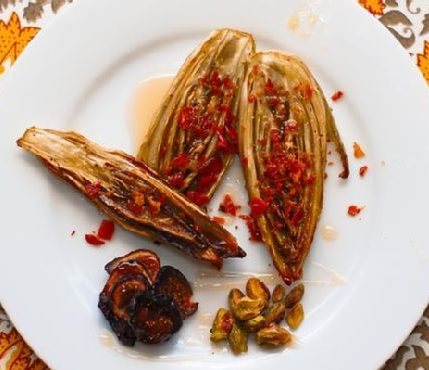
20 21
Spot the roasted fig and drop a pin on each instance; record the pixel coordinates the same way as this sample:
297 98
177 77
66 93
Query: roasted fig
156 318
144 257
173 283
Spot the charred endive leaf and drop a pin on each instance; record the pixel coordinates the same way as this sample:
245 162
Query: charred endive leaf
131 194
193 136
285 124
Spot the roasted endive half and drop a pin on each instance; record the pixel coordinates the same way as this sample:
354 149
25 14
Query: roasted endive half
131 194
285 125
193 137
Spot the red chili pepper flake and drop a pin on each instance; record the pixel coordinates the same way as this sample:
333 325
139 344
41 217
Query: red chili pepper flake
257 206
106 230
308 91
251 98
363 170
134 207
245 161
200 199
291 125
93 239
219 220
92 190
252 226
180 161
357 150
209 172
228 83
176 180
73 232
228 206
337 95
354 210
187 117
275 135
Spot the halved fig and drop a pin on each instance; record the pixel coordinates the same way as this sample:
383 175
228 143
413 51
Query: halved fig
156 318
117 301
173 283
126 269
144 257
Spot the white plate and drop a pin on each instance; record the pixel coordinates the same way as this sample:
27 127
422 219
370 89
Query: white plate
365 291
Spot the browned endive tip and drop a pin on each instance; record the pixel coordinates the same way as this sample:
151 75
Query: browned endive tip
131 194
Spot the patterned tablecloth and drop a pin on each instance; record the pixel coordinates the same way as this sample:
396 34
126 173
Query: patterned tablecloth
407 20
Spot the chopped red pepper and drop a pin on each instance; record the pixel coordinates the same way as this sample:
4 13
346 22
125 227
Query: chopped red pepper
219 220
228 83
245 161
337 95
363 170
198 198
134 207
176 180
354 210
251 98
228 205
357 151
92 190
106 230
93 239
180 161
252 226
257 206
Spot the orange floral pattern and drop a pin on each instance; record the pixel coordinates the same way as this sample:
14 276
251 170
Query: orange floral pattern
375 7
13 39
17 354
423 61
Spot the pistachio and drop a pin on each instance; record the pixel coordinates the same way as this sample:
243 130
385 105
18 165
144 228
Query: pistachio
222 325
273 335
256 289
234 295
294 316
278 293
294 296
237 339
253 325
275 313
246 308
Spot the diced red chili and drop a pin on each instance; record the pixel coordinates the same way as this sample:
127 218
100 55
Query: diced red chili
275 135
257 206
337 95
252 226
93 239
228 83
353 210
180 161
176 180
251 98
363 170
135 208
106 230
245 161
198 198
228 206
357 151
92 190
